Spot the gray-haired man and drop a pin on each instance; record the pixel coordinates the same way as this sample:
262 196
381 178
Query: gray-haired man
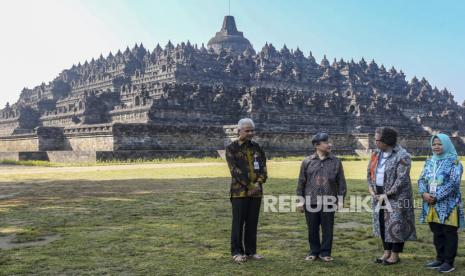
247 163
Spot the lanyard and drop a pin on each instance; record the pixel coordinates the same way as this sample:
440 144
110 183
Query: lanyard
436 170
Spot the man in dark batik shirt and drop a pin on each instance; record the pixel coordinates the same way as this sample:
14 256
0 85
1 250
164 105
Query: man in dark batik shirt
247 164
321 178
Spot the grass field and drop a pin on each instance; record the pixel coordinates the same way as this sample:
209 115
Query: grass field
165 219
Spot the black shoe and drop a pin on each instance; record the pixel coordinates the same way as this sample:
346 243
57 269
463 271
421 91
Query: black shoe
379 261
434 264
446 268
386 262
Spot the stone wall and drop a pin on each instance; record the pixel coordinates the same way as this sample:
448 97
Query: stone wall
415 144
42 139
299 143
72 156
7 126
24 156
280 142
9 156
89 138
153 154
50 138
88 143
167 137
29 142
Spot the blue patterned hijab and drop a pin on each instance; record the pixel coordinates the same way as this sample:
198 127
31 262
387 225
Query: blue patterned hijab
447 146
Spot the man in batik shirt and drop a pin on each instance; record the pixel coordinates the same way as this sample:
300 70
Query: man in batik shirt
247 164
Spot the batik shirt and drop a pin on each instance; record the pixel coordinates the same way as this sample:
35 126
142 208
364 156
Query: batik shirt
241 158
448 174
321 177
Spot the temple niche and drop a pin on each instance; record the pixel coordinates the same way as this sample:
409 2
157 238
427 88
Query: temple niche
176 90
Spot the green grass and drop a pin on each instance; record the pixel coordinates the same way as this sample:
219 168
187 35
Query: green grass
110 162
175 220
171 160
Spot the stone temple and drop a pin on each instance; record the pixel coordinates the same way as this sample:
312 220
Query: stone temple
183 100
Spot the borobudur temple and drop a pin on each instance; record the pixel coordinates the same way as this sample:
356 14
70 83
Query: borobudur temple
185 99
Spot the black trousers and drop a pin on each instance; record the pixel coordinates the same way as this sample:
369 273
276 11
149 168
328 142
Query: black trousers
245 212
314 221
396 247
445 240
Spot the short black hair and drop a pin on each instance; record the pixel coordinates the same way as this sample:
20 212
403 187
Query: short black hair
388 135
320 137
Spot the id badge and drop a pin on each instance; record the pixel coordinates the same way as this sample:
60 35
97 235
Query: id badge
256 166
432 188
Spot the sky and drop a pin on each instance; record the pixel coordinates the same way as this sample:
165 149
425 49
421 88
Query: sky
424 38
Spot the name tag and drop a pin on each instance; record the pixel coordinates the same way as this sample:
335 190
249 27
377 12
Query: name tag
256 165
432 188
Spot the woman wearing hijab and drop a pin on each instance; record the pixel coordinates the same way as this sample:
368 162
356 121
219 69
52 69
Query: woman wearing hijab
439 186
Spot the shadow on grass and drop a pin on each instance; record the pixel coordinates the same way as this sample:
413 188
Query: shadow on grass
181 226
